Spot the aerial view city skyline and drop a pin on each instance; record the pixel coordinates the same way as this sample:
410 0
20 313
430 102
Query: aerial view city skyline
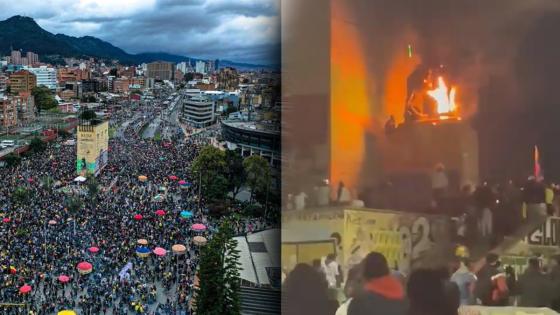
202 29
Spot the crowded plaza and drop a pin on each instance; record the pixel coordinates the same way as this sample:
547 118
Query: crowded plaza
129 246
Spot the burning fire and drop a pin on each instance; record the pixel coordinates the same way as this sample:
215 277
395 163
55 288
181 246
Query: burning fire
444 97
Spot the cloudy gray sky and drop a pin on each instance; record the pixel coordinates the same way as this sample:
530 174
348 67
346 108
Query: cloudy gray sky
238 30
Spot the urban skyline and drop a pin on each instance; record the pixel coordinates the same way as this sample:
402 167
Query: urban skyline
205 29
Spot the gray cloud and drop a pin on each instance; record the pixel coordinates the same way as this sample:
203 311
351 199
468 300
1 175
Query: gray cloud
260 8
242 30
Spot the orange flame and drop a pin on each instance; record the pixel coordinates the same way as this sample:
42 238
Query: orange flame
444 97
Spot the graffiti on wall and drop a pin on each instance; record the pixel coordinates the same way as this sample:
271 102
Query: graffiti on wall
547 234
404 239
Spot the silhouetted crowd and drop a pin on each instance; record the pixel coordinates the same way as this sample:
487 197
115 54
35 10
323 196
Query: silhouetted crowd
371 287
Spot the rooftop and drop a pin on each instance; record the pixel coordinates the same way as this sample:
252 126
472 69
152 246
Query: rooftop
267 127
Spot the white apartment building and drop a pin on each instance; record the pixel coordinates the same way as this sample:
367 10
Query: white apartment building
200 67
45 76
182 66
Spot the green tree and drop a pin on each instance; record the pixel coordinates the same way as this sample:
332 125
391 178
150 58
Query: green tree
235 171
44 98
88 114
231 265
12 159
230 109
93 188
73 204
20 195
218 290
63 133
37 145
258 174
209 169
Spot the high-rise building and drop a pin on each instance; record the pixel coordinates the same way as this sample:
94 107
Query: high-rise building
199 111
210 66
3 82
45 76
8 112
25 105
90 86
121 85
24 61
67 74
161 70
16 57
32 58
22 81
182 66
200 67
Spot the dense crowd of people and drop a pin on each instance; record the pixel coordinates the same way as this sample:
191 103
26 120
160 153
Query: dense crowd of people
371 287
44 240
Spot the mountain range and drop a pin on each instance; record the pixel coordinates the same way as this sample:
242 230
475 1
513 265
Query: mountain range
19 32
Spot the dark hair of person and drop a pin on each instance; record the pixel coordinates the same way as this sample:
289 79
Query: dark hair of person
430 293
305 292
375 266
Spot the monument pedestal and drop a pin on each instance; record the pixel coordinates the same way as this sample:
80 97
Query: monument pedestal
418 147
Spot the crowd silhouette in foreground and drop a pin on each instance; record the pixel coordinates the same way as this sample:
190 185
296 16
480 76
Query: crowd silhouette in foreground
371 287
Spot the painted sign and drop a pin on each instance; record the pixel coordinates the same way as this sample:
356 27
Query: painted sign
405 239
92 148
547 234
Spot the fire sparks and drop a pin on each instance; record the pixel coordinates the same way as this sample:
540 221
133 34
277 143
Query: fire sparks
445 98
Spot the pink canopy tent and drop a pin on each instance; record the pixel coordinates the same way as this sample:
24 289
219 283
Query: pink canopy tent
159 251
138 217
93 249
198 227
63 278
25 289
173 177
6 220
84 267
160 212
